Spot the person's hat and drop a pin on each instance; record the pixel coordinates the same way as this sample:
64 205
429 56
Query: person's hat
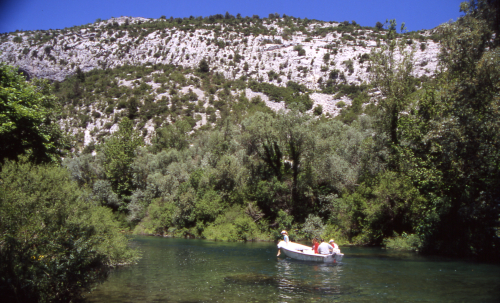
331 240
283 231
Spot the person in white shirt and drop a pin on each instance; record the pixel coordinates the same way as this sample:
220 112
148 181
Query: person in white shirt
325 248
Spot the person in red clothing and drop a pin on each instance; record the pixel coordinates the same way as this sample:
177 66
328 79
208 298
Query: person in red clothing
315 245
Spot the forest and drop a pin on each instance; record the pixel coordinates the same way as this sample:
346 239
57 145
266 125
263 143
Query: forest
419 170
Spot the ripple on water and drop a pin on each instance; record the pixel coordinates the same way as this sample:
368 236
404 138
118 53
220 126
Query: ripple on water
179 270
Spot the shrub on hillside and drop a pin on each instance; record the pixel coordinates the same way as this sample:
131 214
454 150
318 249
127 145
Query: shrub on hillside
318 110
300 50
203 66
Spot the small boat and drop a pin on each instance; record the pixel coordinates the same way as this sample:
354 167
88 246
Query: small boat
305 253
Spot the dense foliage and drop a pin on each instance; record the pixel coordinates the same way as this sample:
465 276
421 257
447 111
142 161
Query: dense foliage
271 168
463 136
55 242
27 114
445 139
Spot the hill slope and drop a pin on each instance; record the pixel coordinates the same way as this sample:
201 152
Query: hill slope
316 55
264 45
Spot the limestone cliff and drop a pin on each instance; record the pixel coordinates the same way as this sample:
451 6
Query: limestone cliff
55 54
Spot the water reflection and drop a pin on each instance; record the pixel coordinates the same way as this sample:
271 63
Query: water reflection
298 279
178 270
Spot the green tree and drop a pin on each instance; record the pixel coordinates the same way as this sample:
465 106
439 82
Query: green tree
27 114
392 73
391 27
262 138
463 137
298 143
486 10
203 66
132 108
172 136
119 152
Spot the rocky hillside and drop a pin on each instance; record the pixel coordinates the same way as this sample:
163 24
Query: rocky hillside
274 50
230 49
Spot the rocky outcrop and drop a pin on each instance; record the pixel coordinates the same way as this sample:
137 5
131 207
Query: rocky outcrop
57 54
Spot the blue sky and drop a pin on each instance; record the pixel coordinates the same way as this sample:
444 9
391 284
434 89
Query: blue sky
58 14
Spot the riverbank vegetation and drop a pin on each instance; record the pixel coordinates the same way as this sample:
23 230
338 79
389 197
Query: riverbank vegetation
414 167
56 241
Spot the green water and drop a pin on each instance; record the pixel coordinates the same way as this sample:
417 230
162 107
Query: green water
180 270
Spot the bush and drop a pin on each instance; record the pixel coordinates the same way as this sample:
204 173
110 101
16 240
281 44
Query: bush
55 242
404 242
313 227
48 49
300 50
293 94
284 222
363 58
337 233
318 110
159 218
110 109
326 57
349 65
234 225
203 66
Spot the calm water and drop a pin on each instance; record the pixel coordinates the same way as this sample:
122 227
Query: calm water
180 270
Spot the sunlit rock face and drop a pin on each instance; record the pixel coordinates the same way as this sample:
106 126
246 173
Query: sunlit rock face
56 54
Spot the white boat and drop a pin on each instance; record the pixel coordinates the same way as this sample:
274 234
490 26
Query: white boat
305 253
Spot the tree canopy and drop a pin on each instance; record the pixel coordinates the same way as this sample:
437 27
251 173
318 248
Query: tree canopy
27 114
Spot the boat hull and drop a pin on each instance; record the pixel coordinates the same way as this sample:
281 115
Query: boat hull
305 253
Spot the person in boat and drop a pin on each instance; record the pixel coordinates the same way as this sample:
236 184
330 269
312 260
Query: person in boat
336 248
325 248
315 245
285 238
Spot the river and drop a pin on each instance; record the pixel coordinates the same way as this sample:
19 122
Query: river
181 270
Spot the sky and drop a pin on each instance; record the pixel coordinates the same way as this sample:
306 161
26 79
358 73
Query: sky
58 14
